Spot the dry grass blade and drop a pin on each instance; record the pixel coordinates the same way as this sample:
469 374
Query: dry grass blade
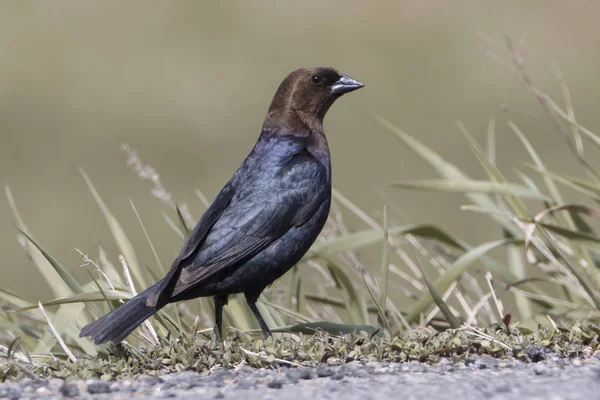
57 335
131 286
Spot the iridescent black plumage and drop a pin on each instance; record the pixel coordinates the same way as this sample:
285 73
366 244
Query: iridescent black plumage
265 218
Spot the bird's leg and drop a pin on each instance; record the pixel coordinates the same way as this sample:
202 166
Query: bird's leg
220 301
251 298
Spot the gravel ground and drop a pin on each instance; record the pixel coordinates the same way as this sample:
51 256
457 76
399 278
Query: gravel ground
479 378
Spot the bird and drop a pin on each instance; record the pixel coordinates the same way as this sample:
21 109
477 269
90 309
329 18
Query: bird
264 219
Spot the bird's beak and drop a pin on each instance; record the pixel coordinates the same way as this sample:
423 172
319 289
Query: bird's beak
345 84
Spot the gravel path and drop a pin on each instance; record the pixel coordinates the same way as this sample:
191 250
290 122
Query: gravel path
480 378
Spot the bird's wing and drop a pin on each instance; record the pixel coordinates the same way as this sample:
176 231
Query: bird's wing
191 245
251 224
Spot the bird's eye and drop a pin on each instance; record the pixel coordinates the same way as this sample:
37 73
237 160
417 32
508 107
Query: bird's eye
316 79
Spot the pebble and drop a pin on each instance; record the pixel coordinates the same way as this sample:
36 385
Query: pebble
323 371
537 353
304 373
277 382
96 386
69 389
541 369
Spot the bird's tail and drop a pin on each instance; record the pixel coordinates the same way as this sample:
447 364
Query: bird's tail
119 323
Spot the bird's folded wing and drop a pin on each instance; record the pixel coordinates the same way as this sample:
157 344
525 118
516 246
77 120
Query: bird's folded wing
247 227
164 288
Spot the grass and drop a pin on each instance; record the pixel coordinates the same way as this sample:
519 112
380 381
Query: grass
335 308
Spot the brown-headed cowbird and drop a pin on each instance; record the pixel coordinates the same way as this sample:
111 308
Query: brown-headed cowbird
265 218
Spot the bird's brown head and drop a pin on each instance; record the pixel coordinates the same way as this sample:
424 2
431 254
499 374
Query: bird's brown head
305 95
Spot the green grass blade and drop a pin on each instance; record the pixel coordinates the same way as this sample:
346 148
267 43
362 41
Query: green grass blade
367 237
493 172
237 314
384 271
472 186
82 298
118 233
355 302
439 301
62 272
491 141
9 297
287 311
588 188
333 328
456 269
552 188
446 170
294 289
184 228
51 276
516 260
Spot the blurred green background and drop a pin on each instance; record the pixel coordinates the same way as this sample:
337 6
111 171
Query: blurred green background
187 84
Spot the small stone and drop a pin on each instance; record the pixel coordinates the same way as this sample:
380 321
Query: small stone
96 386
277 382
361 373
69 389
415 366
150 380
537 353
223 374
292 376
576 362
485 362
351 367
338 375
541 369
305 373
42 391
324 371
126 385
55 384
246 383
